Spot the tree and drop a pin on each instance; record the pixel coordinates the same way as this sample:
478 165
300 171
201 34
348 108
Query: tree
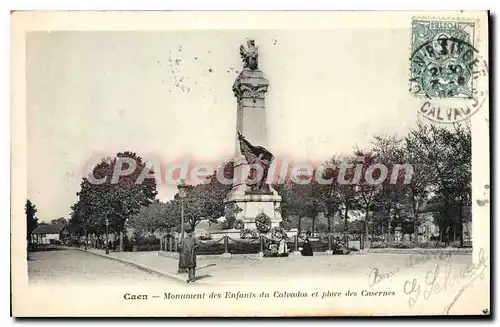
302 200
114 191
366 190
205 200
392 201
209 195
59 221
332 208
343 188
75 224
446 153
31 219
152 218
116 199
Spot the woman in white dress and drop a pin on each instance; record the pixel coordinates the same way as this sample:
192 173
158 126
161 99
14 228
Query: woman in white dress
283 248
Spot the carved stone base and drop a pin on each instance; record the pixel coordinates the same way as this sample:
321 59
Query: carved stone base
251 205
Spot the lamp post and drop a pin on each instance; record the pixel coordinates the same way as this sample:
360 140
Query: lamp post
182 194
107 225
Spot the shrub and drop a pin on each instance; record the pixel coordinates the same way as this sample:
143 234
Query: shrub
234 248
431 245
263 223
205 236
377 238
248 234
285 224
239 224
139 242
402 245
378 245
253 247
150 243
277 233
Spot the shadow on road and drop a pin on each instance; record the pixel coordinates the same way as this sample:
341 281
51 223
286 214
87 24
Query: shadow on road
45 248
210 265
197 278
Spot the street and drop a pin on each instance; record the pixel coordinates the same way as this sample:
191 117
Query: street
73 266
238 269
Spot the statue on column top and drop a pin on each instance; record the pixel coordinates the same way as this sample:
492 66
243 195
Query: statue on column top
250 55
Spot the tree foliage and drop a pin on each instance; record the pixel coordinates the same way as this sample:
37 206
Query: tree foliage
152 218
204 201
59 221
428 170
31 219
114 197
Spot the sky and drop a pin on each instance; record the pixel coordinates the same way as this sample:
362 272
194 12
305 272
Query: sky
168 95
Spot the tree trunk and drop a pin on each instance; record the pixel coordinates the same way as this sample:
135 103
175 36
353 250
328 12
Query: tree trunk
460 215
366 226
373 228
299 227
389 231
329 225
313 226
415 216
391 221
346 217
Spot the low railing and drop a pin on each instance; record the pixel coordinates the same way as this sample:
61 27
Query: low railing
256 245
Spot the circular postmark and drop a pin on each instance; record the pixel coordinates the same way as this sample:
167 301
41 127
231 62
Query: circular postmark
449 77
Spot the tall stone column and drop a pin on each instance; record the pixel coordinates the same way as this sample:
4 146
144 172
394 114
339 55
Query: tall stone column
250 89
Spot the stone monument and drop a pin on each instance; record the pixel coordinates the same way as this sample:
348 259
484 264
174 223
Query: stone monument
252 196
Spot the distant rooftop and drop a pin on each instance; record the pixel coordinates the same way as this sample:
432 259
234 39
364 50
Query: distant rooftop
48 229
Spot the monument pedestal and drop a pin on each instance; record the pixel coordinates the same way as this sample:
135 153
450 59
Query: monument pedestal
251 205
250 88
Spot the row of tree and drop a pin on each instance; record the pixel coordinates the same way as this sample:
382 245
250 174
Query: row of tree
113 203
441 182
108 204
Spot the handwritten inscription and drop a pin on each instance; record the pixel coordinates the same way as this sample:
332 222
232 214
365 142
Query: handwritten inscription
375 276
418 259
442 278
471 272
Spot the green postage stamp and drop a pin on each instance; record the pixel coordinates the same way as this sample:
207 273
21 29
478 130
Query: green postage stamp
445 65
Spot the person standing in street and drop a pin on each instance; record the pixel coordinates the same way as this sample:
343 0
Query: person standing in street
307 247
187 256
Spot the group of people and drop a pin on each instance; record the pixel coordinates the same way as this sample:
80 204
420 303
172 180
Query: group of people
187 255
281 249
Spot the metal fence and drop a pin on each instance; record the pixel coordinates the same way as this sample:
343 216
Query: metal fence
261 244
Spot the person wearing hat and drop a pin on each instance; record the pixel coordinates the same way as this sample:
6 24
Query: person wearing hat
307 247
187 256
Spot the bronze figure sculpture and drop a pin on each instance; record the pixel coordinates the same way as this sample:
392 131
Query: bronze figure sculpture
256 155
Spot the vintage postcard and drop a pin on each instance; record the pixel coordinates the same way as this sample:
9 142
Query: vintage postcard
250 164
